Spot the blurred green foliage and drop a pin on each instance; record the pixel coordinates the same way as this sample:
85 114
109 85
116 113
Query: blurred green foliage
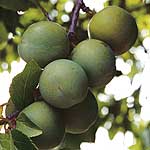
120 116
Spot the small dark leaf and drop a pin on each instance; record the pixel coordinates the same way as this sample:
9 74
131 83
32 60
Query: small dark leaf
7 16
21 141
10 108
3 32
15 4
1 111
27 127
23 85
6 142
73 141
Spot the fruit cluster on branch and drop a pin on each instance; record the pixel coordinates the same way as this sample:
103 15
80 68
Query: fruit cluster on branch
66 78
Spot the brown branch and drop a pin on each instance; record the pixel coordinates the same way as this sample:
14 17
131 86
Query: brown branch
74 18
46 14
4 104
87 9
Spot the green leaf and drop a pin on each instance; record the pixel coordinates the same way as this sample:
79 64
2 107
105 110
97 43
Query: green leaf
23 85
3 32
15 4
26 126
21 141
10 108
10 19
6 142
73 141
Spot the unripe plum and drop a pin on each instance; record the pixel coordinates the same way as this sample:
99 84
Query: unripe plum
97 59
116 27
44 42
63 83
49 120
79 118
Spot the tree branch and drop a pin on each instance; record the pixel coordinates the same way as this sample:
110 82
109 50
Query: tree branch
74 18
87 9
10 120
43 10
13 115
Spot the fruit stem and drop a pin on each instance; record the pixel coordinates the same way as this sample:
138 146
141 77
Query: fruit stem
13 115
2 121
3 104
10 120
46 14
74 18
87 9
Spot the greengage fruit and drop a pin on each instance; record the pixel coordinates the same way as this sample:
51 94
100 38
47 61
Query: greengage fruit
44 42
97 59
79 118
63 83
116 27
49 120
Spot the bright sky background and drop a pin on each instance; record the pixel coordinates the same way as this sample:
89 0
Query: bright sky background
120 87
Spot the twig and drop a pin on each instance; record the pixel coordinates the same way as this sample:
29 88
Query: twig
75 15
10 120
74 18
43 10
13 115
87 9
4 104
3 120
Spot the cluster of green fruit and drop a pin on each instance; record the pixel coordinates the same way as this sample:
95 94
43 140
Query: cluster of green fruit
65 83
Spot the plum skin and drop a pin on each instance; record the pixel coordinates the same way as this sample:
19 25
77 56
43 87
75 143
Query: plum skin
97 59
49 120
116 27
79 118
63 83
44 42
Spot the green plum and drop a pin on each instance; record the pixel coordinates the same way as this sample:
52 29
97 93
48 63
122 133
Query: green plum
116 27
49 120
44 42
79 118
63 83
97 59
